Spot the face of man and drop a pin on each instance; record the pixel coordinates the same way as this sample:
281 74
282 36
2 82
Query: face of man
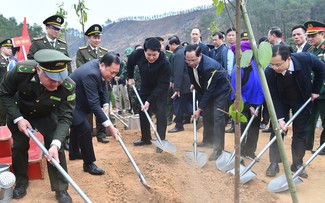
94 40
271 38
279 65
231 37
315 39
151 56
298 36
109 72
6 51
48 83
192 60
195 35
217 41
172 47
52 32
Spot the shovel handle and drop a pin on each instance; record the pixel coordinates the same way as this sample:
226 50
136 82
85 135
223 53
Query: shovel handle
120 119
59 167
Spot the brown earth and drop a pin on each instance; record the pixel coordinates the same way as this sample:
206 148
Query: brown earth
172 179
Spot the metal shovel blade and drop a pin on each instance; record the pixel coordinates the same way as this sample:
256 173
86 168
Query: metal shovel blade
280 183
246 177
225 162
200 159
164 145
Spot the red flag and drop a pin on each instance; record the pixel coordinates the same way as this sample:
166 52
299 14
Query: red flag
25 43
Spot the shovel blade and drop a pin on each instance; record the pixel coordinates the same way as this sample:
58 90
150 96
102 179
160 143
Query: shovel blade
224 163
165 145
280 183
246 177
200 160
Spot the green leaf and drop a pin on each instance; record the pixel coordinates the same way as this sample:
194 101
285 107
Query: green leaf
241 105
220 7
264 54
246 58
242 118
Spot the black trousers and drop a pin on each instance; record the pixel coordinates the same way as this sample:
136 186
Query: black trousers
214 122
46 126
299 128
182 106
159 107
81 135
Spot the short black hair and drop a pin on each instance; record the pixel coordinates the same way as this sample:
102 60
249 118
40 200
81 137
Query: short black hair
283 50
193 47
262 39
276 30
219 34
174 40
230 29
109 58
298 26
152 43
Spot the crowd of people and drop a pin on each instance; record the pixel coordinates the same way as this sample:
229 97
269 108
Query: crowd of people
46 94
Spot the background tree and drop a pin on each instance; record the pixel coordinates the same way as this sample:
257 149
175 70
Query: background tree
80 9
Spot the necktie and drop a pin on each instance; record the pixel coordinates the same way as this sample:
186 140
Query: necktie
196 76
52 43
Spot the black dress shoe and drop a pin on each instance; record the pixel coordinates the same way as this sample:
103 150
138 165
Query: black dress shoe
272 170
63 196
20 191
75 157
322 152
93 169
175 130
267 130
214 155
186 121
140 143
302 174
158 150
262 126
66 146
169 122
102 140
230 130
204 144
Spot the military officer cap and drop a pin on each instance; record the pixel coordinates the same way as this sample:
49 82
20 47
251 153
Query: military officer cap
314 27
94 30
244 36
128 51
53 63
55 21
6 43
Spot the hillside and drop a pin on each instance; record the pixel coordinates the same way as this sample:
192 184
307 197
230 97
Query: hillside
118 36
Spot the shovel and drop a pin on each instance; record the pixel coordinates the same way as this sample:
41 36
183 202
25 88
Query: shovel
162 144
280 183
121 119
246 174
226 161
199 158
142 179
59 167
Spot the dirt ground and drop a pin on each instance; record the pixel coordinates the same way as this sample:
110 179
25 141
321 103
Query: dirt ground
172 179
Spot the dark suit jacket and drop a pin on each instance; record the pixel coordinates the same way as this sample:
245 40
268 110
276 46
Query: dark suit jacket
304 65
213 80
91 92
305 49
204 49
181 79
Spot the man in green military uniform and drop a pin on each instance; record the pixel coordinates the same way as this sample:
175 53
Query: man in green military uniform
315 35
88 53
51 40
39 94
6 52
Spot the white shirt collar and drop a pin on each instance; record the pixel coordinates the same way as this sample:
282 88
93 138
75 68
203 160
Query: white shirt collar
300 48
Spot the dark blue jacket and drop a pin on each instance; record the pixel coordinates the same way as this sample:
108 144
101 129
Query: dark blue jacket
213 80
304 65
91 92
181 78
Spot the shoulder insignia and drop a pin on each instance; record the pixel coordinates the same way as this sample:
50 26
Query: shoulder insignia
169 51
103 48
38 38
26 69
85 47
55 98
69 84
60 40
71 97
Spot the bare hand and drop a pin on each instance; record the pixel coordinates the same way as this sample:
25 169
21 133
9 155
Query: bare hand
53 153
252 110
314 96
23 124
196 114
131 82
145 107
178 94
114 131
282 124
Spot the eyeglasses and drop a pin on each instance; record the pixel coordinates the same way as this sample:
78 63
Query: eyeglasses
191 60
